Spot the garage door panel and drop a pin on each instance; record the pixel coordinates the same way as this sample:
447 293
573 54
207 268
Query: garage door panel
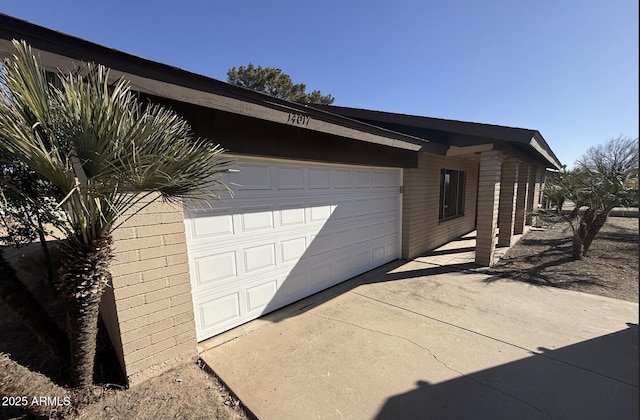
292 229
256 218
379 179
319 179
212 223
220 310
361 233
393 179
342 178
361 207
252 176
321 237
378 230
320 274
292 249
320 244
259 257
259 296
362 259
215 268
378 253
342 210
392 249
289 177
228 306
391 228
392 205
297 285
342 267
293 214
379 205
319 211
362 179
343 237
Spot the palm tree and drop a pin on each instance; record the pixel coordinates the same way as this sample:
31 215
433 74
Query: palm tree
105 152
597 185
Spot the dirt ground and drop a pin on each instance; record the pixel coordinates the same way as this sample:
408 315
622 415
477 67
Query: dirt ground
543 257
185 392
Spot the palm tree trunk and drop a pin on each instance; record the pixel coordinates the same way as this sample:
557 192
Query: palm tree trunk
82 279
580 233
576 247
20 300
18 381
593 230
45 250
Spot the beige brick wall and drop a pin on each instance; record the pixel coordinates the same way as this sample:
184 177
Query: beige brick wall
421 229
149 311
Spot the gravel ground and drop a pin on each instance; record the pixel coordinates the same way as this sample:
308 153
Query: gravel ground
543 257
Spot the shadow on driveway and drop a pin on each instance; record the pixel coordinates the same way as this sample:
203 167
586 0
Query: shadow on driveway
416 340
593 379
391 272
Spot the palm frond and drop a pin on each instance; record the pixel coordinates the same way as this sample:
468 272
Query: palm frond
99 145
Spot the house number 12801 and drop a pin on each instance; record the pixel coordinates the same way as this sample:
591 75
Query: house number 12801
298 119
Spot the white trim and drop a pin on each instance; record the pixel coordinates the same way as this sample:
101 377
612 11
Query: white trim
309 162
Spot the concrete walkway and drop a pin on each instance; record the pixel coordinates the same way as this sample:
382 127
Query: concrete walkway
420 339
463 251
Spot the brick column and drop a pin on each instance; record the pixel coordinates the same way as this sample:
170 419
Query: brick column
543 180
148 310
521 198
507 208
533 194
488 201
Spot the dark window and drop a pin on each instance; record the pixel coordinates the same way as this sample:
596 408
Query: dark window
54 79
451 193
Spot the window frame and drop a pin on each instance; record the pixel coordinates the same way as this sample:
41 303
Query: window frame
444 213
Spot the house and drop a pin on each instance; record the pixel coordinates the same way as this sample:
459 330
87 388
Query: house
323 193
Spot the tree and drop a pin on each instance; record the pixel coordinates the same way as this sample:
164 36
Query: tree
598 184
26 207
105 152
619 154
272 81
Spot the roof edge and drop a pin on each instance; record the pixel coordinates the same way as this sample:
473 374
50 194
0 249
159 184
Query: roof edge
78 49
491 132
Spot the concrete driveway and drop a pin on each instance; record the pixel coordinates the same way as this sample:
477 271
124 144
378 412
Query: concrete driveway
418 340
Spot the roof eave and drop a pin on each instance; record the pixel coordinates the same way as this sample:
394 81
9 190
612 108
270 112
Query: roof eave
540 145
62 51
490 132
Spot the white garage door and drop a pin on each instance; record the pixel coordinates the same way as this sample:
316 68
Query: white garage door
293 228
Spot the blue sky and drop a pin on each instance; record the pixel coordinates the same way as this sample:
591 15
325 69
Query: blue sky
566 68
